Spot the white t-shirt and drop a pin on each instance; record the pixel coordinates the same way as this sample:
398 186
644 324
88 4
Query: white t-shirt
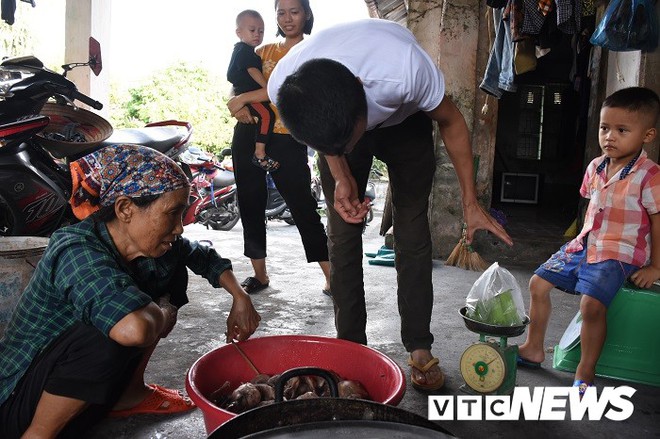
399 77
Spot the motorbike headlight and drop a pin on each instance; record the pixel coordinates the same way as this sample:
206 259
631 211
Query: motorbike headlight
10 76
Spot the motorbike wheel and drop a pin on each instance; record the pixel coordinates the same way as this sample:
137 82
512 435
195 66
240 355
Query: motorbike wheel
7 218
370 215
223 217
287 217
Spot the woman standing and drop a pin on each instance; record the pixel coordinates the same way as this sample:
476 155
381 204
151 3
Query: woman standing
293 180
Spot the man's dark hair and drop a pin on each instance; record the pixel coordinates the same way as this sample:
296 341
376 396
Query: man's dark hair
637 99
321 103
309 23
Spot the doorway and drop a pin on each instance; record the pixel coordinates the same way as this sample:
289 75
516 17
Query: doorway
539 149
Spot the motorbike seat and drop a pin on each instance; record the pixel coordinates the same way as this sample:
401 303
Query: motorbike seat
159 138
223 178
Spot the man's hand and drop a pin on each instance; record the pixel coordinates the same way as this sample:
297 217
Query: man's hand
243 319
476 218
347 204
645 276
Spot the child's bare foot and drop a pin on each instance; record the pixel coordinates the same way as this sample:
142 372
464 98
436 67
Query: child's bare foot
265 163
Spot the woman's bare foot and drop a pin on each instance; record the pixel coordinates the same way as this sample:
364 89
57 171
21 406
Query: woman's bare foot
531 353
133 396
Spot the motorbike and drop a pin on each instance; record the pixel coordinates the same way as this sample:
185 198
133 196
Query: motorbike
276 208
35 183
370 197
213 199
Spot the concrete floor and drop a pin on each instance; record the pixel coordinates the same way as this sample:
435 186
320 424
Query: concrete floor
293 304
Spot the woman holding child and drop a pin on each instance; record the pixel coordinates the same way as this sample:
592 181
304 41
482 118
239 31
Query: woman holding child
292 178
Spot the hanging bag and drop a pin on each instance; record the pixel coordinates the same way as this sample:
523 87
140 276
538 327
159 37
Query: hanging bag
628 25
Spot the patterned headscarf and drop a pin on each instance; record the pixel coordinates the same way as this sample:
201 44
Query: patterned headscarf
103 176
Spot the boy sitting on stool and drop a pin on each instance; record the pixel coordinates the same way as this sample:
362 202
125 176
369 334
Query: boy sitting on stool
621 231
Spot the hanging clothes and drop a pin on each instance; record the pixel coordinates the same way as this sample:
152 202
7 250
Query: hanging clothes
569 14
499 76
8 10
533 18
535 12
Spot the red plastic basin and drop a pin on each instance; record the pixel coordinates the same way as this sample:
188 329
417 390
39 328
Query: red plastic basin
380 375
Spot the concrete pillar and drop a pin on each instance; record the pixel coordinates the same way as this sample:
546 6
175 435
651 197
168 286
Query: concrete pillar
85 18
449 32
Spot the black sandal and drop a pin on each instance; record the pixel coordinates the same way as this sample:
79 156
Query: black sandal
252 285
266 163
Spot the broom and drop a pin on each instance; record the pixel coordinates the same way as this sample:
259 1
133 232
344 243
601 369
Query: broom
463 255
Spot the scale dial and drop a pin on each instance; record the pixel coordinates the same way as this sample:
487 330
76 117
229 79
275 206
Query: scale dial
483 367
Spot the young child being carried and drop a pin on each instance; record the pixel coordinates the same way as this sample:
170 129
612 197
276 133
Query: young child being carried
245 75
621 233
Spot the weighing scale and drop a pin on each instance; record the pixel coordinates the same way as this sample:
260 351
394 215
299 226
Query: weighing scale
489 366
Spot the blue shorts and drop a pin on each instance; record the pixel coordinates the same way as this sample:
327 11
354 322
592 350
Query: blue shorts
572 273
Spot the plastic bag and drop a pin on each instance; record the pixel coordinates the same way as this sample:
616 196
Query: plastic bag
495 298
627 25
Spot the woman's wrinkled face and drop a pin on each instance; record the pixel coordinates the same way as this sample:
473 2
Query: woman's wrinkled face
154 228
291 17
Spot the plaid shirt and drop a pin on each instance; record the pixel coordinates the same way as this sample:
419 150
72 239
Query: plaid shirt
617 220
81 277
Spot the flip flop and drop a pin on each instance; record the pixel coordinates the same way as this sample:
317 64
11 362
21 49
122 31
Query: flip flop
582 386
252 285
160 401
527 364
426 387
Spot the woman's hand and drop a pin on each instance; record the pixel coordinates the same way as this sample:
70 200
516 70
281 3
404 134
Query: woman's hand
243 319
244 116
170 313
234 104
238 110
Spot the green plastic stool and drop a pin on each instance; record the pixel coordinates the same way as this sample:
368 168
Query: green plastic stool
631 351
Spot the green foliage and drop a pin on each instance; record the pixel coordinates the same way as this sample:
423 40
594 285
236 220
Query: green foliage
182 92
380 167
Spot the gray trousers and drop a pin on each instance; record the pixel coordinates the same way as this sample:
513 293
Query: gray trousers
407 149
